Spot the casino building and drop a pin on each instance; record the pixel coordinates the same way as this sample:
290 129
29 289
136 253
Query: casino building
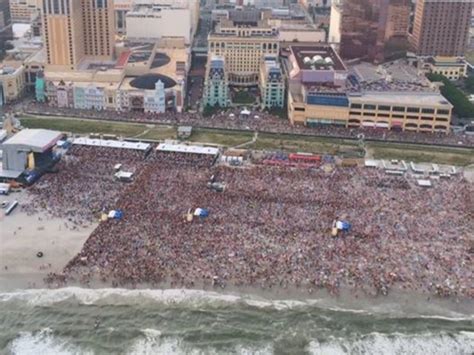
322 90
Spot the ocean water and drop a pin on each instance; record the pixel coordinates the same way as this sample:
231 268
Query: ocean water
118 321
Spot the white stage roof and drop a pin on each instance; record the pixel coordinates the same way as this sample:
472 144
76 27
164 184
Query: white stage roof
38 140
182 148
111 144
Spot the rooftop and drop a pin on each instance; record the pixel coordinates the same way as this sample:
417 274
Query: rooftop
111 144
446 61
317 58
148 81
393 76
35 139
182 148
427 98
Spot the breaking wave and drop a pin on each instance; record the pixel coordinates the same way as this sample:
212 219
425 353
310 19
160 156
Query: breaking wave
43 342
395 344
152 342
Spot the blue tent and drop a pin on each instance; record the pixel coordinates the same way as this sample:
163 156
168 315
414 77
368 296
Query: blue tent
343 225
116 214
201 212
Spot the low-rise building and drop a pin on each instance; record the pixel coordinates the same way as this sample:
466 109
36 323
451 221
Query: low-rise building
12 81
155 99
150 79
216 86
454 68
301 33
323 91
24 11
272 84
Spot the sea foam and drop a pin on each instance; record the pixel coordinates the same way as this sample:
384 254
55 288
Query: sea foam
152 342
43 342
192 298
394 344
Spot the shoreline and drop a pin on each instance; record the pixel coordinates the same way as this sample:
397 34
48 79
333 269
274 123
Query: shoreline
396 303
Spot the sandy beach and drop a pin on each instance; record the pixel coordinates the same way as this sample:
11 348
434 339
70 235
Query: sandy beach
22 236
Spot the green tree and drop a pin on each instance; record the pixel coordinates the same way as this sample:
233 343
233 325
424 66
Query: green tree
470 84
462 106
209 110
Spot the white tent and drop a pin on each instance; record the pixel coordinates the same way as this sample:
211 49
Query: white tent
245 112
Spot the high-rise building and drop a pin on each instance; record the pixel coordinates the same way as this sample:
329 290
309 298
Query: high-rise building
5 24
63 31
376 30
99 28
76 29
441 27
244 41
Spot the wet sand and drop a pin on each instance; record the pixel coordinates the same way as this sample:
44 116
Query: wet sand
23 236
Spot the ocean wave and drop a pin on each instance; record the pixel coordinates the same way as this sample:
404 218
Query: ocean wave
378 343
152 342
43 342
193 298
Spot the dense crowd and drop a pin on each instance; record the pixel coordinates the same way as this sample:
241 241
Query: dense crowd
271 227
260 121
84 184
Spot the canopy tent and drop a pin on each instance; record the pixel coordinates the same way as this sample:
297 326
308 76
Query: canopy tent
201 212
245 112
343 225
115 214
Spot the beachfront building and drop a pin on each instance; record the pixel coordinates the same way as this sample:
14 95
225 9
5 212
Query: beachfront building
155 99
216 89
89 96
272 84
151 78
243 39
40 88
316 93
322 90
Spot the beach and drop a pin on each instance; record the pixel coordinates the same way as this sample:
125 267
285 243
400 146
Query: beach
269 228
261 274
22 236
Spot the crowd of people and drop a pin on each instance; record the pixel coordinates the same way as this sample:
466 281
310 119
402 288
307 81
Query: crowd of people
84 184
258 121
271 227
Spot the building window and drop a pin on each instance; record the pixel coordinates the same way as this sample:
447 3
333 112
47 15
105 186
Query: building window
427 110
